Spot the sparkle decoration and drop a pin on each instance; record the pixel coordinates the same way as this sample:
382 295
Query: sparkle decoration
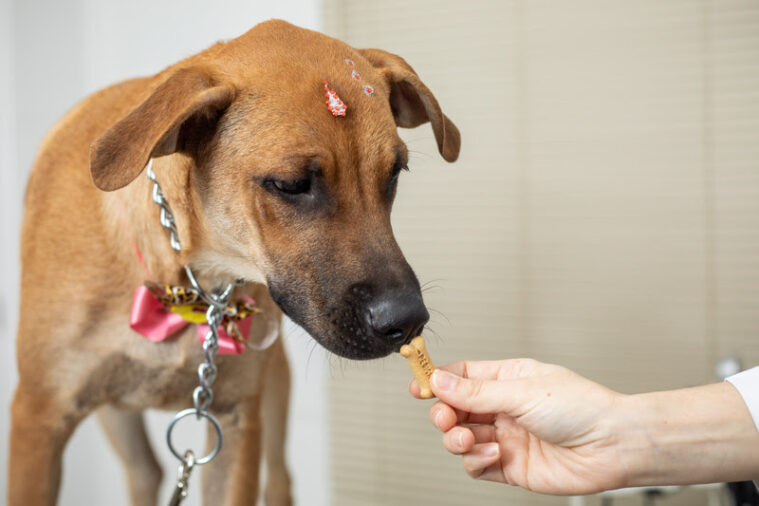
355 75
334 104
350 62
368 90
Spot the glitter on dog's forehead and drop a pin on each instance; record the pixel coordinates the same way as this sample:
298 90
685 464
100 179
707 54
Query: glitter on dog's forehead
335 105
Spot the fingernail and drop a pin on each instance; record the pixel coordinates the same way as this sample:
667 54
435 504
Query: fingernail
460 440
491 450
443 380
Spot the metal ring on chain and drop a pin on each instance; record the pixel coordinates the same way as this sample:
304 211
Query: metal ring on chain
211 419
214 300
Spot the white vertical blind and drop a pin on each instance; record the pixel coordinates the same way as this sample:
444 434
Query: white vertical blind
604 213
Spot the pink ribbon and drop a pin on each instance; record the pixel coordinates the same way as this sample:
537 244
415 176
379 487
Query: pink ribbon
151 319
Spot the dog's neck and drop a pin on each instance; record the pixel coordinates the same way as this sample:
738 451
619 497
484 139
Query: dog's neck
137 231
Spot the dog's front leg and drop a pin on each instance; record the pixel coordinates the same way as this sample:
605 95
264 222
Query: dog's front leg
40 428
126 432
274 416
232 477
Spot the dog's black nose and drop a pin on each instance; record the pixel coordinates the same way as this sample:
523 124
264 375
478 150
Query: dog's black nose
397 316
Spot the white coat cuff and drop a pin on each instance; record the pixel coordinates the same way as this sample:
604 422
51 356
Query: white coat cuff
747 384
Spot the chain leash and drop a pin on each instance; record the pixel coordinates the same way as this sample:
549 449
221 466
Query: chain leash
202 396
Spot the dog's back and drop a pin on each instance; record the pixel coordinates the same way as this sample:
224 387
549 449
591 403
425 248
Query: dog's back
64 238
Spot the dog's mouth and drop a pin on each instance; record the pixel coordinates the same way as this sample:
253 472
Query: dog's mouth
350 336
356 327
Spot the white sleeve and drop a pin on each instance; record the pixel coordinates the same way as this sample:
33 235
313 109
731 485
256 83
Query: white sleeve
747 383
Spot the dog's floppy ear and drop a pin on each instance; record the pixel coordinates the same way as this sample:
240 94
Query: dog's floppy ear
154 128
413 103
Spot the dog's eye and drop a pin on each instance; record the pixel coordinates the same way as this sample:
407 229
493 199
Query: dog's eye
397 170
290 187
393 182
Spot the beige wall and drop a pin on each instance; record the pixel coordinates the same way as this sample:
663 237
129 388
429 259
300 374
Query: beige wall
604 213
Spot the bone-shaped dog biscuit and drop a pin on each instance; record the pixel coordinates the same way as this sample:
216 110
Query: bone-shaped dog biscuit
420 363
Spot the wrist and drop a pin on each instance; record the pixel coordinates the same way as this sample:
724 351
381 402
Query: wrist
694 435
630 440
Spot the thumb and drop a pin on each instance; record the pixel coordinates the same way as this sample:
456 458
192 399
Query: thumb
477 395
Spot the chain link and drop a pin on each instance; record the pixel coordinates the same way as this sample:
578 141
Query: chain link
202 396
167 219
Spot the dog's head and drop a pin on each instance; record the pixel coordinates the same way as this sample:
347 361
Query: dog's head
283 191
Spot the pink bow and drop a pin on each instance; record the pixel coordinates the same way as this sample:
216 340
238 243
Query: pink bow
151 319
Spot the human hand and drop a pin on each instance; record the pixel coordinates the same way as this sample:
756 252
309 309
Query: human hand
539 426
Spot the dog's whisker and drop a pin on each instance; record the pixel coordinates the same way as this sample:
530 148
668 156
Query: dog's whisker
434 280
415 140
342 366
438 338
433 332
310 354
421 154
331 367
432 285
433 310
432 288
336 365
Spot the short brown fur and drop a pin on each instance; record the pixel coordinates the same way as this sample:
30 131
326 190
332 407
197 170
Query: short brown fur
215 125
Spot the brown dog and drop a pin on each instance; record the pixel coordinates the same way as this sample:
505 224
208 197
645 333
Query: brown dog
267 186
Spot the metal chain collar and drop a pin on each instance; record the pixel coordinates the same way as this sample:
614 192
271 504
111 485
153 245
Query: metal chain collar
167 219
202 396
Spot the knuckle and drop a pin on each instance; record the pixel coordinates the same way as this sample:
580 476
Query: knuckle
471 468
466 365
473 389
522 366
